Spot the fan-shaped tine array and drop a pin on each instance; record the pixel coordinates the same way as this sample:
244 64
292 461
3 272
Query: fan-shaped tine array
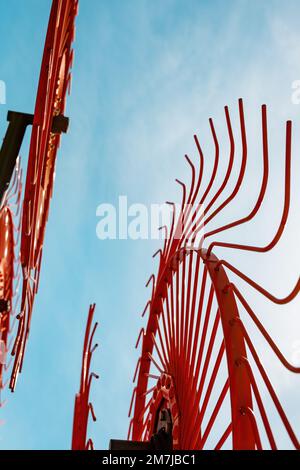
198 359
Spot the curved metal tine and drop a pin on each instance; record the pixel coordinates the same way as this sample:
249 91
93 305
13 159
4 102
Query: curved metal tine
199 225
18 335
263 331
136 369
27 320
172 242
192 166
286 205
192 193
24 342
270 388
260 405
130 429
230 161
240 176
89 445
259 288
38 272
186 212
131 401
16 364
88 358
162 360
91 409
195 413
91 377
242 168
181 218
146 306
93 349
151 278
249 412
190 229
216 162
90 348
202 438
141 333
13 195
166 238
155 363
191 212
147 405
201 169
224 437
27 229
14 374
159 251
89 355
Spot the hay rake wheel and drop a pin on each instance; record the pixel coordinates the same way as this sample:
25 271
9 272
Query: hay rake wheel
198 362
48 123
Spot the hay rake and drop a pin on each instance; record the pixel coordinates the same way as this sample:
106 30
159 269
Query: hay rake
199 368
199 378
48 122
47 126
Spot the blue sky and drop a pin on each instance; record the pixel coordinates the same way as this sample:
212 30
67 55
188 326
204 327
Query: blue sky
147 75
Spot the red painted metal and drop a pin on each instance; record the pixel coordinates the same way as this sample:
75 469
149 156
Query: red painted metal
83 407
6 283
9 272
54 83
196 332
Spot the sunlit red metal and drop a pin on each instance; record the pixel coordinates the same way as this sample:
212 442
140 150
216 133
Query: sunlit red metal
54 82
83 407
196 334
6 281
9 272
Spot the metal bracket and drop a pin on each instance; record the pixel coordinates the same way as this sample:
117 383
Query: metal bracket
13 139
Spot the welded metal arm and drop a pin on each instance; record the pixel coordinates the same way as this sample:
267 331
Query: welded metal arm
13 139
10 149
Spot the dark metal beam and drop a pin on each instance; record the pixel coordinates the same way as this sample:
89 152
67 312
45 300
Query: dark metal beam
13 139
